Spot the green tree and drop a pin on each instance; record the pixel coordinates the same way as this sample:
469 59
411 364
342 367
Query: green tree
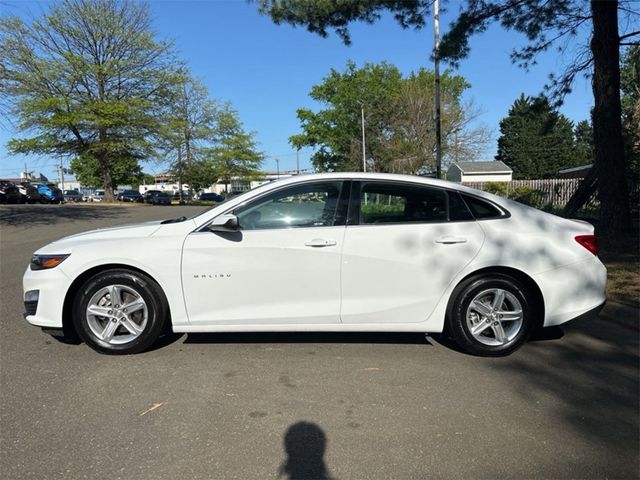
536 141
235 154
124 171
398 118
335 132
144 178
546 25
583 137
189 127
86 80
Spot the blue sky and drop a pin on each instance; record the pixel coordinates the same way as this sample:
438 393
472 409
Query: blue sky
266 71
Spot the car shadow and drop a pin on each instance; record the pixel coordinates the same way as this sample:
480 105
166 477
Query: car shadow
21 215
539 335
310 337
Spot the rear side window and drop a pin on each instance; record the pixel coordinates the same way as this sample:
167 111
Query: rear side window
382 202
480 208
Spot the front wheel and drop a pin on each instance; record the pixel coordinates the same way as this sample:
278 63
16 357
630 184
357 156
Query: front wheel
491 315
120 312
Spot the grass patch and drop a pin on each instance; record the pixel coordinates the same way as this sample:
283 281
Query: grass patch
621 256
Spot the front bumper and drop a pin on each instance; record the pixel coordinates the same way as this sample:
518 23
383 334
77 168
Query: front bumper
52 286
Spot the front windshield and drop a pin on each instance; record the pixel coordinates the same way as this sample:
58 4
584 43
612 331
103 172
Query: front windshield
230 197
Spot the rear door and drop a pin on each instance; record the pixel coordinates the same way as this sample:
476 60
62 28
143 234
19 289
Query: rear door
403 245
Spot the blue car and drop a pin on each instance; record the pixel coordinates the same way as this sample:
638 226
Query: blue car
49 193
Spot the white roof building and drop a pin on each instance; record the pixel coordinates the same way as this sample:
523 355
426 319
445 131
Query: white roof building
495 171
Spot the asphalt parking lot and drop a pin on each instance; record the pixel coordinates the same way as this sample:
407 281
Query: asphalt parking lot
348 406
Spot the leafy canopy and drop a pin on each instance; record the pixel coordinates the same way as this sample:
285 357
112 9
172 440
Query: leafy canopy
86 81
235 153
398 117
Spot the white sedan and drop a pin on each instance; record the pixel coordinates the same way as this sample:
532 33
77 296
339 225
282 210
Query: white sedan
328 252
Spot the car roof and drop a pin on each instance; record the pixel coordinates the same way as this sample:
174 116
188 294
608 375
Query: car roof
266 187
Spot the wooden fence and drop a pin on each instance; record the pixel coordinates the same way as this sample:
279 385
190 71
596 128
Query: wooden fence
555 191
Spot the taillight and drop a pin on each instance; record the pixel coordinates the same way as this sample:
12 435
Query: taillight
589 242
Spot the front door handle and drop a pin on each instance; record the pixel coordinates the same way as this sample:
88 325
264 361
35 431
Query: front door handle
449 240
320 242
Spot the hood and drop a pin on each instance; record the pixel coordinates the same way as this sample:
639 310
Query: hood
139 230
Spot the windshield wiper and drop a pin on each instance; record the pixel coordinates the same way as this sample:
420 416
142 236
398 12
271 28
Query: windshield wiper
173 220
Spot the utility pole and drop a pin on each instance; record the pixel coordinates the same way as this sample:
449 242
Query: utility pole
61 167
364 152
298 161
436 34
278 167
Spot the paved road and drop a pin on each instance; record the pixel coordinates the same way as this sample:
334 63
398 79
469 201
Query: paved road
357 406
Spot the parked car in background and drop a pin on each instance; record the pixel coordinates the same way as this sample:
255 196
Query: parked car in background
129 196
49 193
211 197
185 195
157 197
72 196
29 193
97 196
389 253
9 193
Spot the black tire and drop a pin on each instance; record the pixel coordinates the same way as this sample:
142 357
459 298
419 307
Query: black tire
457 325
149 291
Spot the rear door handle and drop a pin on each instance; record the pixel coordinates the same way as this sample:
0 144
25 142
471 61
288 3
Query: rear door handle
320 242
449 240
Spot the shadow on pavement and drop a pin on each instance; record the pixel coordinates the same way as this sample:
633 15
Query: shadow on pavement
311 337
540 335
26 215
593 381
305 444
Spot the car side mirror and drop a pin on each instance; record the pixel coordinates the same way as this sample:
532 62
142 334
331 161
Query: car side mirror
224 223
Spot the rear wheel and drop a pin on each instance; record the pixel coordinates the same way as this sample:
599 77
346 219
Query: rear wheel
119 312
491 315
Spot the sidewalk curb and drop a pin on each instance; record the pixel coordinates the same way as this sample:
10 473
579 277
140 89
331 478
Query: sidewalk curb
621 314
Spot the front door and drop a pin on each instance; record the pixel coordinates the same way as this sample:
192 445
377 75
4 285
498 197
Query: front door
282 266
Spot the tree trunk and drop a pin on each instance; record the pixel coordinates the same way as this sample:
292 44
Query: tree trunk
103 160
584 192
107 180
180 173
615 216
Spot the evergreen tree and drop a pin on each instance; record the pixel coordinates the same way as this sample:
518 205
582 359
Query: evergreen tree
536 141
583 137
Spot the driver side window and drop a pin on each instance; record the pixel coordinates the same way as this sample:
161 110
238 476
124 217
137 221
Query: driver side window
299 206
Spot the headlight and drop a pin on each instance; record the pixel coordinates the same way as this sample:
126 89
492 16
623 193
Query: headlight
44 262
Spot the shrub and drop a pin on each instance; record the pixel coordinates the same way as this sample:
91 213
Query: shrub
497 188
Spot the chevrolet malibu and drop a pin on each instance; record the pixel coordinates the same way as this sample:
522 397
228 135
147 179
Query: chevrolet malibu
328 252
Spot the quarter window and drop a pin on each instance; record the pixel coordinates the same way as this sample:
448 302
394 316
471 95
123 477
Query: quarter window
480 208
298 206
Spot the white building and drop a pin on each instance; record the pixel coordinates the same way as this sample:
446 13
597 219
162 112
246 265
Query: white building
238 185
462 172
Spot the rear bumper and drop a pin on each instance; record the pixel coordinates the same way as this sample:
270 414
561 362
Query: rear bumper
589 314
573 290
